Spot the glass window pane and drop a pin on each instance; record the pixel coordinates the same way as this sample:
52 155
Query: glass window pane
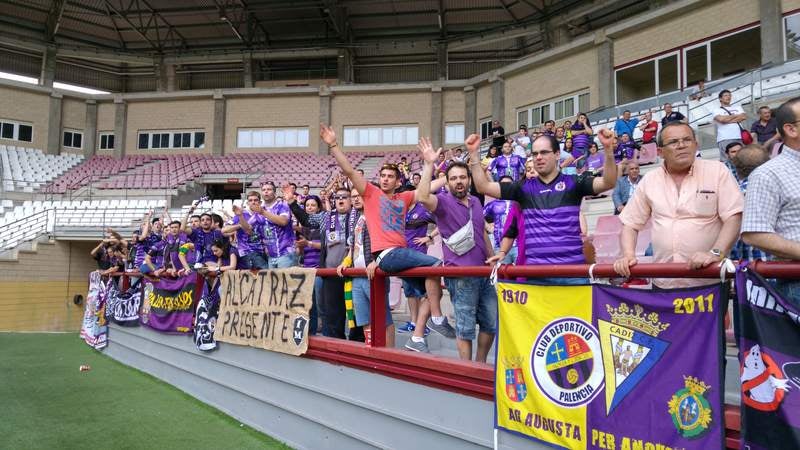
735 54
350 137
398 136
696 68
569 107
668 74
792 38
25 133
374 136
257 139
412 135
302 138
7 131
486 128
583 102
110 143
291 138
536 116
637 82
143 140
177 139
199 139
187 139
387 135
280 138
363 136
522 118
244 139
545 113
77 140
559 107
268 138
67 139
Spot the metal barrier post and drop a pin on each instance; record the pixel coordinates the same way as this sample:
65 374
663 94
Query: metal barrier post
377 310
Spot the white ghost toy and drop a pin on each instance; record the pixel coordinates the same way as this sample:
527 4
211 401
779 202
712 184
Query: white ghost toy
753 367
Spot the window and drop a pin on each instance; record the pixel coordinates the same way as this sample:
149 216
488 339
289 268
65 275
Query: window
724 56
791 43
650 78
555 109
272 137
170 139
486 128
16 131
454 133
106 141
73 139
381 135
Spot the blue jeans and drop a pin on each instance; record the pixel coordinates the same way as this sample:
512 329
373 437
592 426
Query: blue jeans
254 261
475 301
511 256
403 258
361 301
313 313
283 262
412 290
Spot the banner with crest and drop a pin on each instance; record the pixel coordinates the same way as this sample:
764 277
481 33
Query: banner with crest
602 367
769 364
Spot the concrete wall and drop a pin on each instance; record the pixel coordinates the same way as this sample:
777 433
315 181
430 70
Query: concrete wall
556 79
393 108
311 404
453 105
790 5
171 114
26 106
73 117
271 112
105 123
484 103
698 24
36 291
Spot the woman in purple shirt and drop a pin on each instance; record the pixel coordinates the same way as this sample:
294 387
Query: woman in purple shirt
581 133
309 243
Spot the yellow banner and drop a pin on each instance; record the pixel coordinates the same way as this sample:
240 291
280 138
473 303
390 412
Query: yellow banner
548 364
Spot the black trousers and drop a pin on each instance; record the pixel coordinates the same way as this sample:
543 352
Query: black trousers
333 311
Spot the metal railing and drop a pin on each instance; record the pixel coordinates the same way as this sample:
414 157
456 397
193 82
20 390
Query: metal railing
28 228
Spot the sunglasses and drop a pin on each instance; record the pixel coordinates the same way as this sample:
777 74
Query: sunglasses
341 197
389 166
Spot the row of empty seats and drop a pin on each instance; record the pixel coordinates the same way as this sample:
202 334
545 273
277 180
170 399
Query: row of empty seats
27 169
122 211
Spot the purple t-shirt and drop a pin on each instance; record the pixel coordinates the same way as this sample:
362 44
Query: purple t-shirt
279 240
310 254
512 165
144 246
249 243
451 215
581 141
417 220
496 212
202 241
594 162
167 248
624 150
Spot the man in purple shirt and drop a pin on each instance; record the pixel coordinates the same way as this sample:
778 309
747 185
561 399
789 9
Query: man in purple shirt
496 213
507 164
459 216
278 232
249 228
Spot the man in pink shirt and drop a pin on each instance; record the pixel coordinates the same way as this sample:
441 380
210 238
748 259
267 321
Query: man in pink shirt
695 205
385 212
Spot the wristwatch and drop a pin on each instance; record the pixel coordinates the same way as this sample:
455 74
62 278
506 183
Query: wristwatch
716 252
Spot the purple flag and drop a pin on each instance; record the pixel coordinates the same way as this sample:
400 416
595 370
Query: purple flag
168 304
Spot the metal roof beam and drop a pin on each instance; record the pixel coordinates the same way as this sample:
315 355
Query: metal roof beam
149 20
54 19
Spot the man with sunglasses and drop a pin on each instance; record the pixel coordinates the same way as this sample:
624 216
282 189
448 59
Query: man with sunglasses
385 212
336 228
549 232
695 206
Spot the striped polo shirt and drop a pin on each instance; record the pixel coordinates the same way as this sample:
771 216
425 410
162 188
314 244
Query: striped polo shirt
550 218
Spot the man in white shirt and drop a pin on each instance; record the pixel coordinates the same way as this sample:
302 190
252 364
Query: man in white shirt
522 142
727 118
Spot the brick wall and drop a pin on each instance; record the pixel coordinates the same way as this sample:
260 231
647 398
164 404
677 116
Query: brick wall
36 291
26 106
169 115
272 112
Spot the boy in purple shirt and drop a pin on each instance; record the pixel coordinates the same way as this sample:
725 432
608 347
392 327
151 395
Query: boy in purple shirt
459 216
278 232
496 212
249 228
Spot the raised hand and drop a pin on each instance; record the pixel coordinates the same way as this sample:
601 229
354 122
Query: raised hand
473 144
426 150
606 137
237 210
327 134
288 193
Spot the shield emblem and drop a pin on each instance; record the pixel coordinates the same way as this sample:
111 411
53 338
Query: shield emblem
515 385
299 329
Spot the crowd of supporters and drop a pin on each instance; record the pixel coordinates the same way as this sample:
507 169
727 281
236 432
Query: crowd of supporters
517 204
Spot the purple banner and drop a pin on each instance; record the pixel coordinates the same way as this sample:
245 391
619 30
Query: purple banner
168 304
662 354
769 364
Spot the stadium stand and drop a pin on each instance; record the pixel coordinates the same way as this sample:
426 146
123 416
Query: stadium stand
27 169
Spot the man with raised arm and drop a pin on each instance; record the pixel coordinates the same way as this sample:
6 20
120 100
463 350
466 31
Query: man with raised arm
550 203
385 211
459 216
